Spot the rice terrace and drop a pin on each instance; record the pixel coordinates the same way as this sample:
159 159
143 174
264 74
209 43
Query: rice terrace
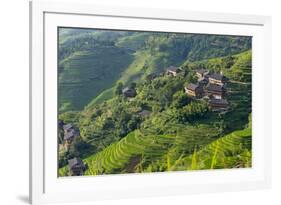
139 102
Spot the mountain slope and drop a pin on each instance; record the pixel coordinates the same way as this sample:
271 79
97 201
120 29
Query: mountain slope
93 61
86 73
140 152
180 133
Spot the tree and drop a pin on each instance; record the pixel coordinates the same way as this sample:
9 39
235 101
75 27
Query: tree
228 61
133 85
193 111
192 78
134 122
118 89
180 99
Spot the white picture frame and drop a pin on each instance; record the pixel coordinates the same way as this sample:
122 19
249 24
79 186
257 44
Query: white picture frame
46 187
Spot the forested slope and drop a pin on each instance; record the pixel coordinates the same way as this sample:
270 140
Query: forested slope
181 133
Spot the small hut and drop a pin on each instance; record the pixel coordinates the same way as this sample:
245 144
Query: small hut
217 79
215 91
173 71
67 127
129 92
76 167
194 90
70 135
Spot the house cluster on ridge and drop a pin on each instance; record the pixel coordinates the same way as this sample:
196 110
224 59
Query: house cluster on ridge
194 90
209 85
212 86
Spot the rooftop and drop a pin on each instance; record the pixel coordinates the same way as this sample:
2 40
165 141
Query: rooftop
68 126
71 133
217 76
127 89
74 162
214 87
192 86
219 101
68 136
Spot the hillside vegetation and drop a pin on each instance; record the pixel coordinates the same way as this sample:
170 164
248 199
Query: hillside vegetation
92 62
180 133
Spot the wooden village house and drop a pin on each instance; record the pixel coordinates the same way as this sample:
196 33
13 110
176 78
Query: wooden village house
218 104
76 167
215 91
129 92
194 90
173 71
67 127
70 135
217 79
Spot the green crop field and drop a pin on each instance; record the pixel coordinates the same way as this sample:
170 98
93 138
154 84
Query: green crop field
229 151
87 73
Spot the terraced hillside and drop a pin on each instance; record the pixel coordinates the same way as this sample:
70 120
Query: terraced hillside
92 62
230 151
89 72
161 128
145 152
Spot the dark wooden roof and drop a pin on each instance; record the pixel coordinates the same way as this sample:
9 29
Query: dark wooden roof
71 134
75 162
68 126
68 136
215 88
192 86
129 92
218 101
128 89
217 76
125 89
